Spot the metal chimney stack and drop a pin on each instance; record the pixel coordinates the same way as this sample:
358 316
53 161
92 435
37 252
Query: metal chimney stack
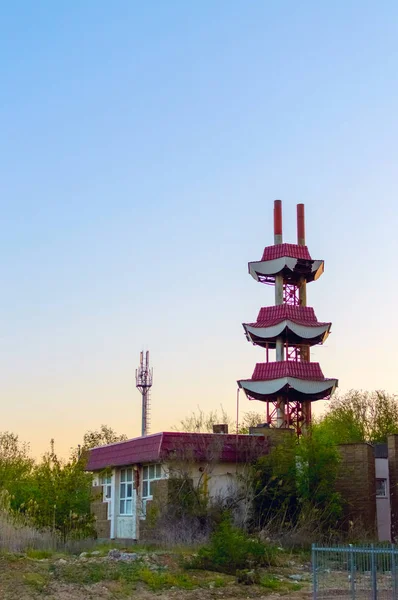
143 382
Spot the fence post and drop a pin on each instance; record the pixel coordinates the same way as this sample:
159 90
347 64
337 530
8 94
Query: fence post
314 577
373 572
352 572
393 572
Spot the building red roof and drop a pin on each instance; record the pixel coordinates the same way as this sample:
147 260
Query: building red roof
290 250
276 370
272 315
167 445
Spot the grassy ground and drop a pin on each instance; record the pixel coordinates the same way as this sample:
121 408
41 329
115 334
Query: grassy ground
42 574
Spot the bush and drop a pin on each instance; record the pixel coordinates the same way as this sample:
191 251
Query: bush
295 487
188 517
231 549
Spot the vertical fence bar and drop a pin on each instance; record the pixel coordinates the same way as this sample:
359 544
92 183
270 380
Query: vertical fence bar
314 577
393 572
373 572
352 572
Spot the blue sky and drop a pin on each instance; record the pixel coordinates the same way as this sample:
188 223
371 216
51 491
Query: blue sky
142 147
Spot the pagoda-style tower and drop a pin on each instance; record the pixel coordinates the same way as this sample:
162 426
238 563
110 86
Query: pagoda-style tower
291 382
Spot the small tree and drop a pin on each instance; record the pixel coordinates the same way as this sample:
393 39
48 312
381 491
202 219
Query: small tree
53 493
250 419
294 485
317 471
15 468
360 417
102 436
201 422
60 496
274 483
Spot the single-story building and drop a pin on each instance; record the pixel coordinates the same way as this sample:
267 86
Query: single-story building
126 474
130 475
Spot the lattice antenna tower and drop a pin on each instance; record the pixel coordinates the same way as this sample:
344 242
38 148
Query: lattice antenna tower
143 382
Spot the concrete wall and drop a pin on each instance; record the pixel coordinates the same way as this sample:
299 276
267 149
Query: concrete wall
220 479
219 482
383 504
392 442
357 484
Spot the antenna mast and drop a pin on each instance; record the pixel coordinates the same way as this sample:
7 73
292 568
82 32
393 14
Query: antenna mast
143 382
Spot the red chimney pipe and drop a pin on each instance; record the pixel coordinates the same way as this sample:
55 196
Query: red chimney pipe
300 225
278 221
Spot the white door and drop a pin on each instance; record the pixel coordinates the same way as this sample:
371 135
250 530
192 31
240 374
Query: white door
126 527
126 521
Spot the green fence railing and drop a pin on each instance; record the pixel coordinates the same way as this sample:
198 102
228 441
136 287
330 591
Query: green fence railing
355 572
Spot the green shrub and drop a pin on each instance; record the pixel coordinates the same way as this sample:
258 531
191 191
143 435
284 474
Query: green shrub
271 582
230 549
295 487
277 585
37 581
38 554
157 581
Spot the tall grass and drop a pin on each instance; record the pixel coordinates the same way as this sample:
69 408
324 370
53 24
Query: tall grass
16 535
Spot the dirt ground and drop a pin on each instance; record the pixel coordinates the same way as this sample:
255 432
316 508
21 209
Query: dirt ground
65 578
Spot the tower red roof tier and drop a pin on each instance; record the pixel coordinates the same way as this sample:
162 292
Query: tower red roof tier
290 260
290 379
296 324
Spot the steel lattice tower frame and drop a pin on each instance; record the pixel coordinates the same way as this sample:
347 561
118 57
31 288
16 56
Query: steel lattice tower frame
144 380
290 383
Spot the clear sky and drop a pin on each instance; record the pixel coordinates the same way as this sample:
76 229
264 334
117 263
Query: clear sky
142 145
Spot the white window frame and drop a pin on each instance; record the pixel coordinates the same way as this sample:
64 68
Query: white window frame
106 482
150 473
126 491
382 491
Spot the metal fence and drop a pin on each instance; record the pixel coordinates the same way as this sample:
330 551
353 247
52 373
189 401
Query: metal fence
355 572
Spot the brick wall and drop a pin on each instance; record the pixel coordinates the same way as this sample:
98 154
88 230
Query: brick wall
100 511
393 477
275 436
160 493
357 484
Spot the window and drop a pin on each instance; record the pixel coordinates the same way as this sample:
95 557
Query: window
150 473
126 492
105 481
381 488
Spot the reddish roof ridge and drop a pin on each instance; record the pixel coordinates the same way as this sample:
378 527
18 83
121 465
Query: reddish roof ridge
279 370
301 315
285 250
156 448
190 433
124 441
296 322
